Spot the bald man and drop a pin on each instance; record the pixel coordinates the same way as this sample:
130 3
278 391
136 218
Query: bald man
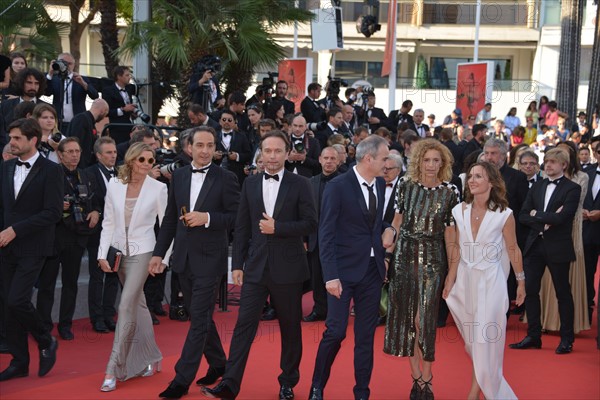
83 126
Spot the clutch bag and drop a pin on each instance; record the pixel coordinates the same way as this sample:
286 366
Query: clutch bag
114 257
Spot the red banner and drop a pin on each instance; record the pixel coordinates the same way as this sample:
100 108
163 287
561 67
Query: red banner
294 73
471 85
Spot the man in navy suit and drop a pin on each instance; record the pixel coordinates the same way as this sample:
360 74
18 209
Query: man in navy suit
102 287
69 91
548 211
591 227
31 205
276 212
211 196
352 257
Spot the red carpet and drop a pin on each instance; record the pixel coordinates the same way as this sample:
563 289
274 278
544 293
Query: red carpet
533 374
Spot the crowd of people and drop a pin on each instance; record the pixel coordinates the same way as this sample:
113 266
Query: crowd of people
466 217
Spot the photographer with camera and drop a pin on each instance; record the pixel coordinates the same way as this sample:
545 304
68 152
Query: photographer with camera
303 158
233 150
68 88
281 90
120 104
81 213
83 127
204 86
311 107
373 116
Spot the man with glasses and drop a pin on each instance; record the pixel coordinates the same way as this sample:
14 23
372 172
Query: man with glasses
529 164
69 90
233 148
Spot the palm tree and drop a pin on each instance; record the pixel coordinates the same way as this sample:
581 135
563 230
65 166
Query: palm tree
239 31
29 19
567 83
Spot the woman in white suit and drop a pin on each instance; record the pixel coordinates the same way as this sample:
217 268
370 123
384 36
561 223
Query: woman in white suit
133 201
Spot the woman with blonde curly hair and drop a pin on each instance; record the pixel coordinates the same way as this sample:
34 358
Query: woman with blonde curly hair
423 202
133 202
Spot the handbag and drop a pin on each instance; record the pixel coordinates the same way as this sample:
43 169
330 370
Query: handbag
114 257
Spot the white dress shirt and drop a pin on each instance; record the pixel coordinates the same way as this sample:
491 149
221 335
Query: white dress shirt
125 97
365 193
21 172
195 187
270 189
549 190
596 184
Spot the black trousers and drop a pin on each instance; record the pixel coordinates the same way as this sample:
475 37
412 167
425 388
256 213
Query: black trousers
19 275
102 287
287 301
70 248
534 265
591 252
200 295
318 286
366 295
154 290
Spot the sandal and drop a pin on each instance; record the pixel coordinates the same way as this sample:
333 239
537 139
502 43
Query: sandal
426 392
415 392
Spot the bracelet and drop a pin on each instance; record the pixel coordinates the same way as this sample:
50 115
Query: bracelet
520 275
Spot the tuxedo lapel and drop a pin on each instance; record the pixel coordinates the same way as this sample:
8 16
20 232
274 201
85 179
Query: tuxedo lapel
35 168
557 194
283 189
208 182
185 187
10 174
358 194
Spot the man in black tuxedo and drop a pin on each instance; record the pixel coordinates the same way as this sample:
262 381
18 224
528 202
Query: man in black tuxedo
352 256
237 105
311 108
418 125
446 136
334 123
591 227
391 175
304 156
529 164
201 240
119 99
476 143
549 211
276 212
81 213
83 127
30 85
281 90
374 116
233 149
69 90
584 156
329 164
398 117
198 117
349 121
30 207
102 286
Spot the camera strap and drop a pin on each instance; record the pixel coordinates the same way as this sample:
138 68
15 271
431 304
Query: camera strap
68 83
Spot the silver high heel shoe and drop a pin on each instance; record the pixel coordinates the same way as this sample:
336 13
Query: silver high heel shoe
109 385
151 369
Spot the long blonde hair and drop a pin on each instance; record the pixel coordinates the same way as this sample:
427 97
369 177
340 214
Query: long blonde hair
418 151
135 150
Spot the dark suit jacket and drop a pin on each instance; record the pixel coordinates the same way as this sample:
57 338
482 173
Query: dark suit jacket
113 97
315 183
324 134
394 120
7 116
34 214
288 106
388 213
456 151
206 248
471 146
78 94
516 192
311 166
591 230
557 239
239 144
282 252
378 113
312 112
83 127
346 235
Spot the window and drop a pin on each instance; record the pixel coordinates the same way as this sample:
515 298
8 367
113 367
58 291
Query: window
442 70
492 13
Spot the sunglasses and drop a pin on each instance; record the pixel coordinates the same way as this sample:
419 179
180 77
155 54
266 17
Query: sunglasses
227 119
143 160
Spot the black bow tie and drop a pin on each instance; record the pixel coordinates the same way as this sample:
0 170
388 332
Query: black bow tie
267 176
226 134
122 90
555 182
389 185
23 163
335 131
200 170
111 173
532 180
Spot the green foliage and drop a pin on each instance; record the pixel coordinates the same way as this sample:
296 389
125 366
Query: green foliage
422 74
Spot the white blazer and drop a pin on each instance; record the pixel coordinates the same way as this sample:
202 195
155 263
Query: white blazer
151 202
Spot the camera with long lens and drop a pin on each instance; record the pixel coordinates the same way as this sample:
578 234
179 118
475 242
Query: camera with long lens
267 84
299 147
56 137
142 115
333 88
210 63
61 67
79 203
165 159
317 126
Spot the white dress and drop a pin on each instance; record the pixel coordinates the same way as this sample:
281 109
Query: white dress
479 300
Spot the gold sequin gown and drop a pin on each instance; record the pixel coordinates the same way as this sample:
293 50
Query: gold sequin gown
419 266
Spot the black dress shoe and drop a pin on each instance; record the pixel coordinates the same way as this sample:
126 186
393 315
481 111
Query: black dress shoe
100 327
564 348
527 343
110 324
66 334
48 357
315 394
212 375
158 310
3 347
313 316
174 391
155 320
221 391
13 372
178 313
269 314
286 393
